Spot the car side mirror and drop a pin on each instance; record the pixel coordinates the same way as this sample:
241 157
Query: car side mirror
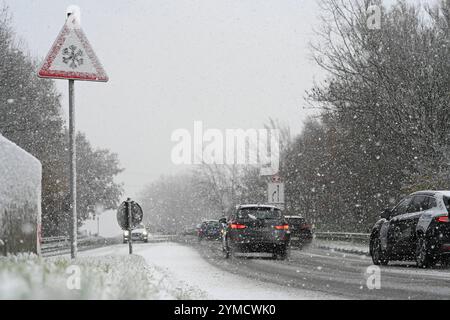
386 214
223 220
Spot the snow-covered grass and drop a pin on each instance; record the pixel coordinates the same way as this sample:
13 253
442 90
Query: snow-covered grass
27 276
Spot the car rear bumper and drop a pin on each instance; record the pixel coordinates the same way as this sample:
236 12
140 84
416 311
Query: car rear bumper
302 236
258 246
439 238
445 248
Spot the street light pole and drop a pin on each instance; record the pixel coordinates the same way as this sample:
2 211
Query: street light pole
98 225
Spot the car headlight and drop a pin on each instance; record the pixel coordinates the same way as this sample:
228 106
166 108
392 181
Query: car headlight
144 233
125 233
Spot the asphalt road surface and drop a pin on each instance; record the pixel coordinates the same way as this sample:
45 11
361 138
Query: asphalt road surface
333 273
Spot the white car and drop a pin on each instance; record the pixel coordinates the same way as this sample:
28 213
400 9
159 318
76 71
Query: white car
140 233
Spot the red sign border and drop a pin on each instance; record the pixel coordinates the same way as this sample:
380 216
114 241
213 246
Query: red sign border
45 71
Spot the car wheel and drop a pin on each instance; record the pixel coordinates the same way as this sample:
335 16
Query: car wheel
445 262
377 253
285 253
226 252
281 253
226 249
424 258
305 244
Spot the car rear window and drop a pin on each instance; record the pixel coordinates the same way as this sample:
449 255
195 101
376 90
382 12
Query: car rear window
213 225
295 221
447 203
259 213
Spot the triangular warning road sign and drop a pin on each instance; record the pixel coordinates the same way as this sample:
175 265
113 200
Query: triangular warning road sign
72 57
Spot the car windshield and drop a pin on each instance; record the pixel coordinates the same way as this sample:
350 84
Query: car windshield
259 213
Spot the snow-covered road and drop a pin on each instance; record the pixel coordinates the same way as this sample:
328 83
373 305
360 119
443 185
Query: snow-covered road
183 268
341 274
198 271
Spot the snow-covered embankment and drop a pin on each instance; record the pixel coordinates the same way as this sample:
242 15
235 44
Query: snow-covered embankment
20 199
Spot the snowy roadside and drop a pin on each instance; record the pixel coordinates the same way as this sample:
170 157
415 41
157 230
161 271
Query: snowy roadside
342 246
26 276
155 271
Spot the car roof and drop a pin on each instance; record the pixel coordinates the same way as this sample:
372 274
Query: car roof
210 221
432 193
246 206
294 217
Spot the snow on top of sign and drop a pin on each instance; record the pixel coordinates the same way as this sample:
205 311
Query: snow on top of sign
74 11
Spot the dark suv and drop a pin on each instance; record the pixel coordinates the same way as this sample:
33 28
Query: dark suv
210 230
256 228
417 229
301 232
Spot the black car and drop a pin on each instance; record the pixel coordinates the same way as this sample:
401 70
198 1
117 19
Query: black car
301 231
210 230
417 229
256 228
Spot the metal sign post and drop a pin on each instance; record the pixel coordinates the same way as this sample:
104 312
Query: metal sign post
129 215
275 192
130 226
73 171
72 57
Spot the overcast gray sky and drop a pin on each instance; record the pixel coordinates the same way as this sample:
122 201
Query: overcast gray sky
228 63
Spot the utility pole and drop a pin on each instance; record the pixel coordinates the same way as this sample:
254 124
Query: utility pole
98 225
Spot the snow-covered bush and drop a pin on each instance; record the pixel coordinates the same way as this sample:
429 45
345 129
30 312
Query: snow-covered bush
27 276
20 199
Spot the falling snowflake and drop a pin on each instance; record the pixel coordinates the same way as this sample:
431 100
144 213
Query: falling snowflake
73 57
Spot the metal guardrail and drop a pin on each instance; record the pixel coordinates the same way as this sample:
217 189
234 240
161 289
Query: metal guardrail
51 245
343 236
54 239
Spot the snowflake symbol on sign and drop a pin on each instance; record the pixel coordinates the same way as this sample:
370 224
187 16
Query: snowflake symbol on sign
73 57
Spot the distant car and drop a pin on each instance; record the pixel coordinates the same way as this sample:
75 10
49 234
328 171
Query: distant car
256 228
139 233
301 232
210 230
417 229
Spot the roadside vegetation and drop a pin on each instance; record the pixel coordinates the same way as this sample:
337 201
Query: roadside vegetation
380 129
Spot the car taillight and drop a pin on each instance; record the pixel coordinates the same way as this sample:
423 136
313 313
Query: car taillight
238 226
282 227
442 219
